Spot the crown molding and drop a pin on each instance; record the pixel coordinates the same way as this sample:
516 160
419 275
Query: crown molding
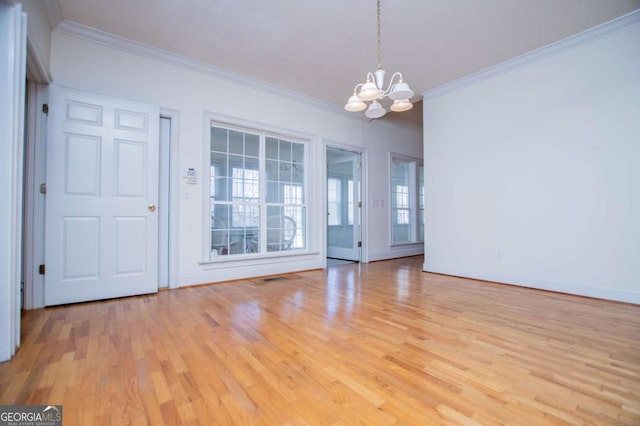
54 13
36 70
571 42
104 38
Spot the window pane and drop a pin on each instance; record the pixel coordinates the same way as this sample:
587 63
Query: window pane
272 148
297 172
294 227
236 142
351 202
273 195
421 190
297 153
218 139
402 200
221 189
285 171
219 163
251 145
421 186
220 229
271 170
235 161
285 151
334 198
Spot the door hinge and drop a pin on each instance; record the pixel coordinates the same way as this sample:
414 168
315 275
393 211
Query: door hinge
45 108
43 188
359 243
41 269
359 165
359 204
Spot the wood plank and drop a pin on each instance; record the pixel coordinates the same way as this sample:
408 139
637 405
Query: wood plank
380 343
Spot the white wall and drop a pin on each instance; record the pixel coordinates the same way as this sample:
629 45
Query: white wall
390 140
85 65
533 172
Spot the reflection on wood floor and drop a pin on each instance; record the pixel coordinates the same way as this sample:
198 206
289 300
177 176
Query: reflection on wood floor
338 262
379 343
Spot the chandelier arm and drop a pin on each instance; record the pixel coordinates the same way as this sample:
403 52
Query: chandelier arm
371 77
391 83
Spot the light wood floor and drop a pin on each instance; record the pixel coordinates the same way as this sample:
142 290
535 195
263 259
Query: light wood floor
384 344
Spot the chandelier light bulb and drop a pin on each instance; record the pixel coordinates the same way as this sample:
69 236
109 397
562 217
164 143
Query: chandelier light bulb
355 104
401 105
400 91
369 91
375 110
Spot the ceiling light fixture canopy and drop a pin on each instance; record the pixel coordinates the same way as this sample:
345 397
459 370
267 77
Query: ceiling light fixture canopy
372 90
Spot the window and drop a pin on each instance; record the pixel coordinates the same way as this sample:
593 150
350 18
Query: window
351 205
337 198
407 200
334 196
257 201
421 191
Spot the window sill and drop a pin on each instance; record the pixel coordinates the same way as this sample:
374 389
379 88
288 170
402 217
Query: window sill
407 244
267 257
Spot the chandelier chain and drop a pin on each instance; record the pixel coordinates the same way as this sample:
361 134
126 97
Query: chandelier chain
368 95
379 39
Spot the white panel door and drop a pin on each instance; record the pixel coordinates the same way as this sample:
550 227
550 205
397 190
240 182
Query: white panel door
102 191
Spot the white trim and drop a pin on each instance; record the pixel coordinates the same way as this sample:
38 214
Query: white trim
243 125
36 70
35 160
364 179
13 48
414 202
130 46
587 36
397 252
270 258
557 286
54 13
174 196
257 267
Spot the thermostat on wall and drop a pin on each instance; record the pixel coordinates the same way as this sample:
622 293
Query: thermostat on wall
190 175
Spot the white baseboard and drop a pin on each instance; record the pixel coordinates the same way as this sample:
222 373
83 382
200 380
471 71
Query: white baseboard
397 252
619 295
226 271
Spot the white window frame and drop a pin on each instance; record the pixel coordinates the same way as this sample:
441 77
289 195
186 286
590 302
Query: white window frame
246 126
414 206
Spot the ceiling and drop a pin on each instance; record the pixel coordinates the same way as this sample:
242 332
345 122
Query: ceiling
322 48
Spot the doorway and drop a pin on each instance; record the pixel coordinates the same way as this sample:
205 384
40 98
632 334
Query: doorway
166 252
344 204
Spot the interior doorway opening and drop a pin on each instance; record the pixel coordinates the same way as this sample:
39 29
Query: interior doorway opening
344 206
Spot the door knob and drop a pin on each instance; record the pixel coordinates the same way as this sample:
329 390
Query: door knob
152 207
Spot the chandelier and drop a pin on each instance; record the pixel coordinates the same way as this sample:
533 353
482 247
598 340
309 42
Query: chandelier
372 90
